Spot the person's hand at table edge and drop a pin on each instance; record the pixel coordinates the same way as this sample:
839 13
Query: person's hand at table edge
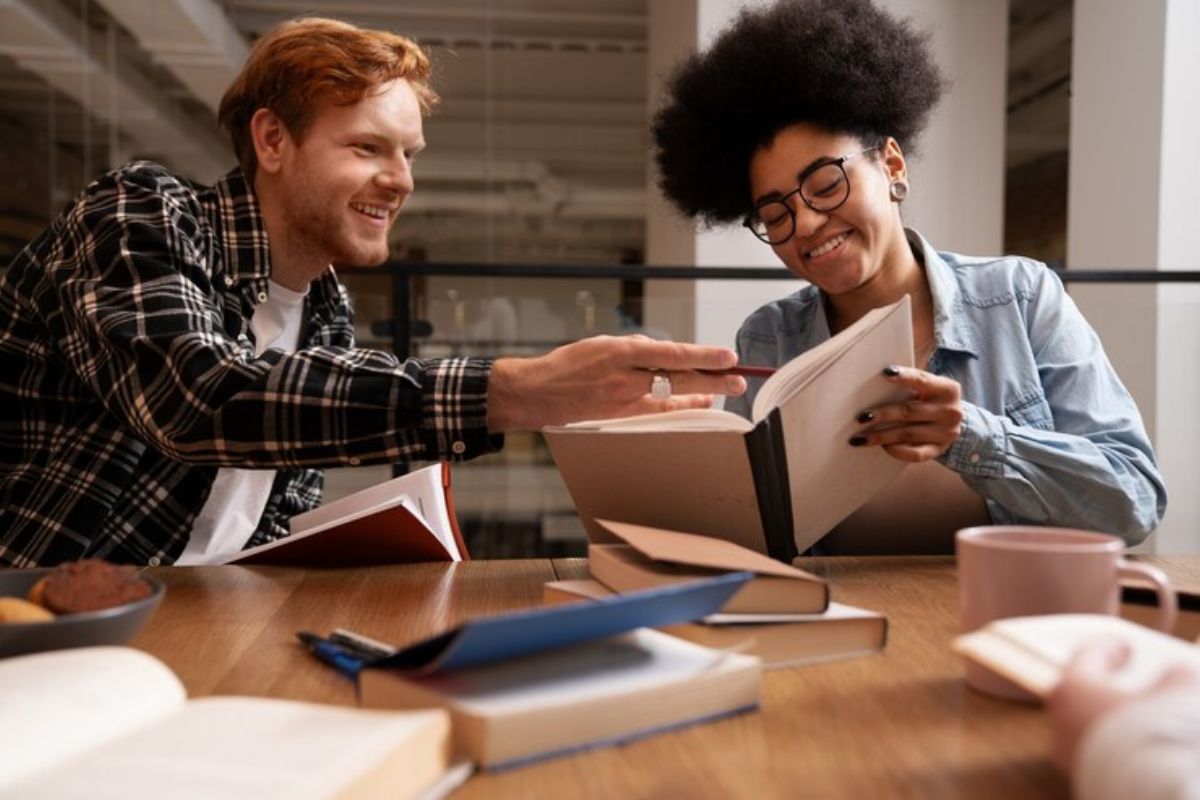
1086 693
605 377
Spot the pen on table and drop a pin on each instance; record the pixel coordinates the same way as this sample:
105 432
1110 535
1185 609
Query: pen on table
361 645
744 371
325 650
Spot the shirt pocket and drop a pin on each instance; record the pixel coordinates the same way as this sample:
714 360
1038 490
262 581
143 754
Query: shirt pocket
1031 410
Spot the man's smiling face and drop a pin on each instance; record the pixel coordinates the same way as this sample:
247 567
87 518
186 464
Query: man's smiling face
345 180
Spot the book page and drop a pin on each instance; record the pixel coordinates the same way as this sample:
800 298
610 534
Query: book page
797 373
368 501
688 419
828 478
369 526
836 611
55 705
428 498
253 747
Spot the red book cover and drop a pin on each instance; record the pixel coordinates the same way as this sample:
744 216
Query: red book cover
391 523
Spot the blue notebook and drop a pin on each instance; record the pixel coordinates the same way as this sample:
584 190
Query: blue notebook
521 633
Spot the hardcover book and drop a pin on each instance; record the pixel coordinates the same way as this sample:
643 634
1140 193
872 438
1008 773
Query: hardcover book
407 519
776 483
534 684
651 557
780 640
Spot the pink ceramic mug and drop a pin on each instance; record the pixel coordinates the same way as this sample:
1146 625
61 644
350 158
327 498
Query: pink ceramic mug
1019 571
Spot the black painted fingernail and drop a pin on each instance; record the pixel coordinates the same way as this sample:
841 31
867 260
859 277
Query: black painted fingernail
891 372
866 417
858 441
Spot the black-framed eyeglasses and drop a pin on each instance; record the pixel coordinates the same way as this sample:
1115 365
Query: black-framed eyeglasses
823 187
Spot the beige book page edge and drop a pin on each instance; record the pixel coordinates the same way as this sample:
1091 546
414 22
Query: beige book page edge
59 704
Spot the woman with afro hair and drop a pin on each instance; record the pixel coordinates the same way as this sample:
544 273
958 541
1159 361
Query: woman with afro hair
796 122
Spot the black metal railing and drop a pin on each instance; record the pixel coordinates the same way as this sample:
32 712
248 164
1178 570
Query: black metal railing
402 325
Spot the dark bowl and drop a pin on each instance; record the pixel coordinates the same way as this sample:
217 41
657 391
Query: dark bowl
115 625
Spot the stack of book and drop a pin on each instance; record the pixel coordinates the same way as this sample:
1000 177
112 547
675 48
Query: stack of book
782 614
407 519
529 685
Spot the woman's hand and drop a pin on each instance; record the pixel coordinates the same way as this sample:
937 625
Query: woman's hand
920 428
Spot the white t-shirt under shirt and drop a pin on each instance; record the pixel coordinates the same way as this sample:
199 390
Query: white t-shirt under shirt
231 514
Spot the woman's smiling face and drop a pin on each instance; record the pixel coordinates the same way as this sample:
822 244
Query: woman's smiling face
844 249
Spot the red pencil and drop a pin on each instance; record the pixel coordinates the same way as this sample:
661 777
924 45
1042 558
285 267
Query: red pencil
748 372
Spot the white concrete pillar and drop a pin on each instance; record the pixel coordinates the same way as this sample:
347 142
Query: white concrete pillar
958 180
701 311
957 199
1134 203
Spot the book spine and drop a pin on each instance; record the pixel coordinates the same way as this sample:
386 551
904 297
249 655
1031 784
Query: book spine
768 462
451 513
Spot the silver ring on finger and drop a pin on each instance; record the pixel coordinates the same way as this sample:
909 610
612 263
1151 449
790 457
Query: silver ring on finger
660 386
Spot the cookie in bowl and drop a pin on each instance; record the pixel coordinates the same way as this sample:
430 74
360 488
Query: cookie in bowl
80 604
89 585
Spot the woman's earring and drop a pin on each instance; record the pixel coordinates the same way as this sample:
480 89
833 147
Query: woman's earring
898 190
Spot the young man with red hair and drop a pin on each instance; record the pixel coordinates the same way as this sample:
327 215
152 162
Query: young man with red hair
177 362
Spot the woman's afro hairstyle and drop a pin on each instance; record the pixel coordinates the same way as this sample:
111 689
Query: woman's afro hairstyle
843 66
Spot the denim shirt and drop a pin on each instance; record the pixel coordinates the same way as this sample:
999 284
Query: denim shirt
1050 436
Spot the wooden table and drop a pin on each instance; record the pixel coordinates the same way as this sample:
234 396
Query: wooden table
896 724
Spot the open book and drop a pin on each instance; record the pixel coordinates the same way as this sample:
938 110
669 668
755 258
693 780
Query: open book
776 484
1032 651
406 519
114 721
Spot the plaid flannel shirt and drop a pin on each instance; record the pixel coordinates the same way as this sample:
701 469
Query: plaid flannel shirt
128 377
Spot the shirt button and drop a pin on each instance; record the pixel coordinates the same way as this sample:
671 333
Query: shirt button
459 448
354 461
262 297
154 561
974 459
229 280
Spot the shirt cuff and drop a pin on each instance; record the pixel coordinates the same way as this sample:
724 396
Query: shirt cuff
979 449
454 409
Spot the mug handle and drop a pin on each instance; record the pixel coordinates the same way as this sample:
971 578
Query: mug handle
1167 603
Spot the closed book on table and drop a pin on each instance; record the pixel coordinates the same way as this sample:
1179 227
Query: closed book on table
529 685
584 696
407 519
651 558
776 483
780 640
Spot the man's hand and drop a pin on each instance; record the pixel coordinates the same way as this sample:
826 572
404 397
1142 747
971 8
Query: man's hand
1086 693
604 377
920 428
